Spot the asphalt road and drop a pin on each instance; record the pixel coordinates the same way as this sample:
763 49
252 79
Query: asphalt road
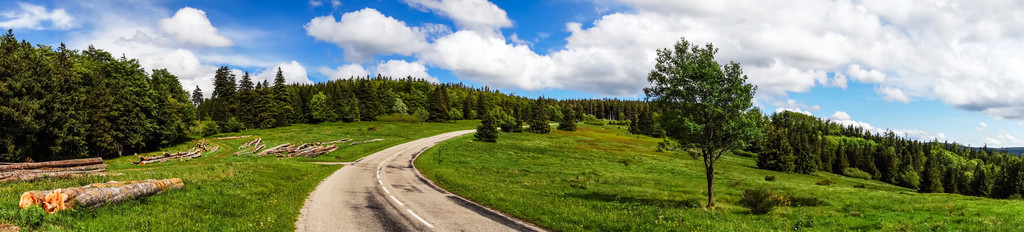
384 192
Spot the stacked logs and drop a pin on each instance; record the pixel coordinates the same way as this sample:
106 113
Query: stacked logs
96 195
304 150
61 168
332 142
251 147
195 152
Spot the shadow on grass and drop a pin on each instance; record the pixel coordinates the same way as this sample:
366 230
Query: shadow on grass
666 203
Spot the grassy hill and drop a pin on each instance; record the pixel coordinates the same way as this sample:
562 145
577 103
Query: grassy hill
222 192
601 179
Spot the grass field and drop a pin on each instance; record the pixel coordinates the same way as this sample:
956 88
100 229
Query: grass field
598 179
222 192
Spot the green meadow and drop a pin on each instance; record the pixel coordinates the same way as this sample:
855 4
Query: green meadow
222 192
601 179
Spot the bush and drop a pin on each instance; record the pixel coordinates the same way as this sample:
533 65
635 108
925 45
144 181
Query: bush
210 128
232 125
826 182
398 117
734 183
373 128
859 186
856 173
769 178
591 120
620 122
759 201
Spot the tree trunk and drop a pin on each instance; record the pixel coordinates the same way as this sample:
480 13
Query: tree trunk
90 197
51 164
710 167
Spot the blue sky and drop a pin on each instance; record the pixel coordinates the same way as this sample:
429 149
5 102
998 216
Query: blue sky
944 71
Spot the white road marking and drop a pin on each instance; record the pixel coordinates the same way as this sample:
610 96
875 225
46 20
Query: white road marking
385 189
418 217
381 183
396 201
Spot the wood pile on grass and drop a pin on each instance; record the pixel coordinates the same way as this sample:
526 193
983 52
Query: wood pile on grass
251 147
332 142
304 150
195 152
61 168
96 195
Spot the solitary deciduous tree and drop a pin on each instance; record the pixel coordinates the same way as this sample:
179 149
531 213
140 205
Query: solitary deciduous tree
707 107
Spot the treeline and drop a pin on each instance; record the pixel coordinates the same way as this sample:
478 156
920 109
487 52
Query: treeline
267 105
804 144
59 104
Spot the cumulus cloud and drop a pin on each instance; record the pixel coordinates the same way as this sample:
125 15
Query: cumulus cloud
892 94
293 72
794 106
864 75
190 26
477 15
344 72
402 69
365 33
844 118
35 17
315 3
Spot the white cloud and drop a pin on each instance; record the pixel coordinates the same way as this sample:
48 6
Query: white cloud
481 16
794 110
293 72
843 118
365 33
892 94
335 3
982 127
315 3
31 16
491 61
840 116
864 75
402 69
794 106
190 26
344 72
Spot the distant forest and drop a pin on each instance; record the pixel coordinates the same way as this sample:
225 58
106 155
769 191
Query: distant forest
60 104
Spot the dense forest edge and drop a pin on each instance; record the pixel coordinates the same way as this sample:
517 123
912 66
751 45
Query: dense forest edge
61 104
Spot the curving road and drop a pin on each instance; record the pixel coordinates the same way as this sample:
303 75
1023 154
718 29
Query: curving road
384 192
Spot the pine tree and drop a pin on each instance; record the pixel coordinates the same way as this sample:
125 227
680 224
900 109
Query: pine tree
469 106
369 102
777 154
981 185
488 129
246 96
266 106
805 162
931 182
539 122
568 120
439 104
282 98
223 94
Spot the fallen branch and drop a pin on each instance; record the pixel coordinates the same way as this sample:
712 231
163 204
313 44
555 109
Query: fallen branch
332 142
51 164
61 168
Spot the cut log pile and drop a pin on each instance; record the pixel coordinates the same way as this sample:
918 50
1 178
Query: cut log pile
304 150
251 147
332 142
234 137
195 152
96 195
60 168
367 141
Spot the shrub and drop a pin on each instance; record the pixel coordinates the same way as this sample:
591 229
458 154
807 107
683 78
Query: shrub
826 182
398 117
859 186
210 128
232 125
759 201
373 128
856 173
487 131
769 178
591 120
734 183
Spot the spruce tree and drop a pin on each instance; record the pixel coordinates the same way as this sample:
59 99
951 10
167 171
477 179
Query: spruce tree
246 96
439 104
931 180
223 94
568 120
488 129
282 99
539 121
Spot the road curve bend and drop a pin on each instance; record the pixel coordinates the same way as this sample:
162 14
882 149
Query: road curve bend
384 192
